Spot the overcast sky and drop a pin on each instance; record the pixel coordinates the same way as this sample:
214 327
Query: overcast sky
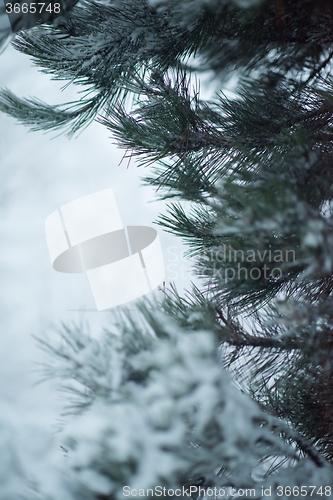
41 172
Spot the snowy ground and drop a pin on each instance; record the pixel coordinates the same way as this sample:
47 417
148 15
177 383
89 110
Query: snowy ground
40 173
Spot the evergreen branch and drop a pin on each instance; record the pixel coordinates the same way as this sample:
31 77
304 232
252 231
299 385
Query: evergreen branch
304 445
42 116
316 71
257 169
240 340
195 228
236 336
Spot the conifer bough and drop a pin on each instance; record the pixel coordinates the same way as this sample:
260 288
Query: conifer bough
158 405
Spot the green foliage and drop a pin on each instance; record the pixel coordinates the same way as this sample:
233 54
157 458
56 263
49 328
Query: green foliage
256 167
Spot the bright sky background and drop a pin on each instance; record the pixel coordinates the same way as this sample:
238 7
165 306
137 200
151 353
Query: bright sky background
39 174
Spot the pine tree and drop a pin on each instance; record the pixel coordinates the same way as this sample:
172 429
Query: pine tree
229 386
